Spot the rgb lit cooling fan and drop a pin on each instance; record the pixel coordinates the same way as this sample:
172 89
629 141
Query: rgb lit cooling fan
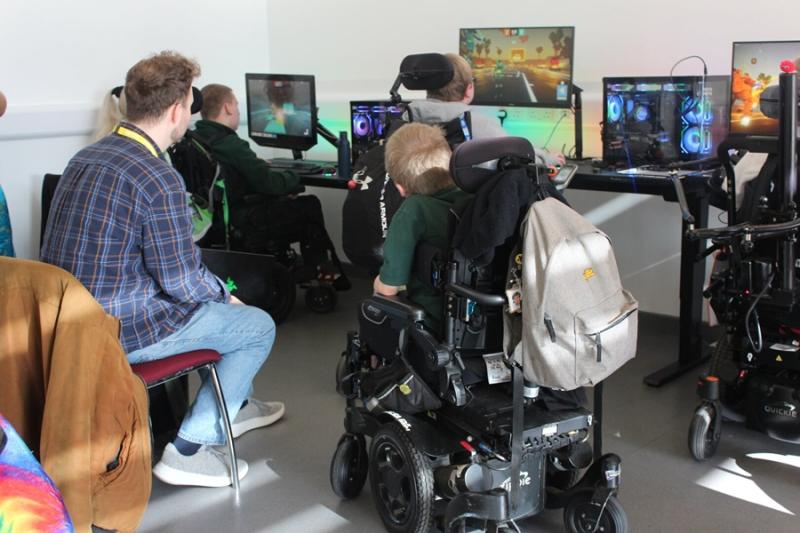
362 125
696 117
614 108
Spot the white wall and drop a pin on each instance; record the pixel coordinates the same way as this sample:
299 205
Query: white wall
59 58
355 46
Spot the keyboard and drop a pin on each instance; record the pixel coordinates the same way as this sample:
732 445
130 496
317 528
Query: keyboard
304 166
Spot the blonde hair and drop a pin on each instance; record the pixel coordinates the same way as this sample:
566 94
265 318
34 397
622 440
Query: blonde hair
462 76
154 84
215 95
112 112
418 158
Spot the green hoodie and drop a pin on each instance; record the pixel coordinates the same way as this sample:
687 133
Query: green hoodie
235 154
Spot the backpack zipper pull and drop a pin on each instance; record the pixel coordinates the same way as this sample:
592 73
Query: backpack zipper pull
548 323
599 344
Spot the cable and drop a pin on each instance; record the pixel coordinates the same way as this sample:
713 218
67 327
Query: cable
553 131
703 61
752 311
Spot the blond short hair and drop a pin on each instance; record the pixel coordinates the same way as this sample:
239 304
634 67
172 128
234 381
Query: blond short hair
154 84
418 158
455 90
215 96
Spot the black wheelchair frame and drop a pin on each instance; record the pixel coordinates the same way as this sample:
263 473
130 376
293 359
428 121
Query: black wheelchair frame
490 454
754 375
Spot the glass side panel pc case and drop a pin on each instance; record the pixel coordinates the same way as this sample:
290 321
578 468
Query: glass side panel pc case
662 120
520 66
756 67
281 110
370 121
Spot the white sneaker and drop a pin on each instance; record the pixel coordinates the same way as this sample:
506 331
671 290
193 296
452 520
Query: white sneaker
206 468
256 414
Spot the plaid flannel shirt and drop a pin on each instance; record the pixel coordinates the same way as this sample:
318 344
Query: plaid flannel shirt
120 223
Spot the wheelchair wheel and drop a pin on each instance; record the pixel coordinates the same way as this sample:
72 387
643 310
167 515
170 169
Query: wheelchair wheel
349 466
401 481
582 515
704 435
321 298
283 293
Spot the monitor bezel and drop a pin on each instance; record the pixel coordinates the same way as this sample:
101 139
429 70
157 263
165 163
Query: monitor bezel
282 140
567 104
658 79
744 135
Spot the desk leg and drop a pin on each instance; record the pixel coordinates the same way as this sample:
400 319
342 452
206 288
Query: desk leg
690 344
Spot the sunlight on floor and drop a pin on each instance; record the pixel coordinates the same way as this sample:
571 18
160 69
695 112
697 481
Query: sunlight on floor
731 479
318 518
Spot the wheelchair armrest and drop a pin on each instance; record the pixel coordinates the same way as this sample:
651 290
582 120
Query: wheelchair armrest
397 306
481 298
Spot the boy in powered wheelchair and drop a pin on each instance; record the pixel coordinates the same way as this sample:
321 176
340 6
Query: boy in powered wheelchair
466 434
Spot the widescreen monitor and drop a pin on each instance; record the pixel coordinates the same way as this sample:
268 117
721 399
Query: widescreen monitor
662 120
756 66
370 121
520 66
281 110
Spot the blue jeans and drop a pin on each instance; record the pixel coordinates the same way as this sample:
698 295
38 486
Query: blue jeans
243 335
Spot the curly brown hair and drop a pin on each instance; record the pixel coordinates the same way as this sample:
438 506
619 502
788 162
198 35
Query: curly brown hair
154 84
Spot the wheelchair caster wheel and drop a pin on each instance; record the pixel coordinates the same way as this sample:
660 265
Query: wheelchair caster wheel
705 431
583 515
349 466
321 298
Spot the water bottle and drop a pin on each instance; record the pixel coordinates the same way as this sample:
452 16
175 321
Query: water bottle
344 169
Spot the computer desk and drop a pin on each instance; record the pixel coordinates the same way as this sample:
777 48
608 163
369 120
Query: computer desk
692 271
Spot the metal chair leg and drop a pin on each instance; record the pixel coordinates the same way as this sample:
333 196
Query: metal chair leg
227 422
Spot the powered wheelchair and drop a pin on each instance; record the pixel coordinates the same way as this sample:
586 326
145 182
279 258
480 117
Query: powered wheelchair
754 374
459 440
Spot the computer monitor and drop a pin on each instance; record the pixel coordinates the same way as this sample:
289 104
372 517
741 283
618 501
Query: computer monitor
756 66
370 121
662 120
281 110
520 66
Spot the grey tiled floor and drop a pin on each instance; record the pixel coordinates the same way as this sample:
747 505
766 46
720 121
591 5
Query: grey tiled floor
752 484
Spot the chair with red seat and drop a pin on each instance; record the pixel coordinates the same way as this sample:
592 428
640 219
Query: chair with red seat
157 372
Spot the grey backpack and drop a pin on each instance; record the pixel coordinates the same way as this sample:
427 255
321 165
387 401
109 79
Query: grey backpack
577 324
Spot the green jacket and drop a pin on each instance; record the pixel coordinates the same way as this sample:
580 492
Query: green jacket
235 154
419 219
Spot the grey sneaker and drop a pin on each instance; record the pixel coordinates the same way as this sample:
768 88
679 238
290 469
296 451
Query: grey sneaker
256 414
206 468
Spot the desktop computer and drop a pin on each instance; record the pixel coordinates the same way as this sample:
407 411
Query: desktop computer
658 121
371 121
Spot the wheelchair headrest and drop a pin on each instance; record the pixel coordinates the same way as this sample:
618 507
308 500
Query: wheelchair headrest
474 162
197 103
422 72
425 72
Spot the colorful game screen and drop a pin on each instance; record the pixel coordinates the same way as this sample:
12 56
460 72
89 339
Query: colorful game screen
661 120
520 66
370 121
756 66
280 110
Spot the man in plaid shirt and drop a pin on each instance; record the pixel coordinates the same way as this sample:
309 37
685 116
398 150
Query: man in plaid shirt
120 222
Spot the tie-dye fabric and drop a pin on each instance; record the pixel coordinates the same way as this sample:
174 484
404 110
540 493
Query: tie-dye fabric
29 501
